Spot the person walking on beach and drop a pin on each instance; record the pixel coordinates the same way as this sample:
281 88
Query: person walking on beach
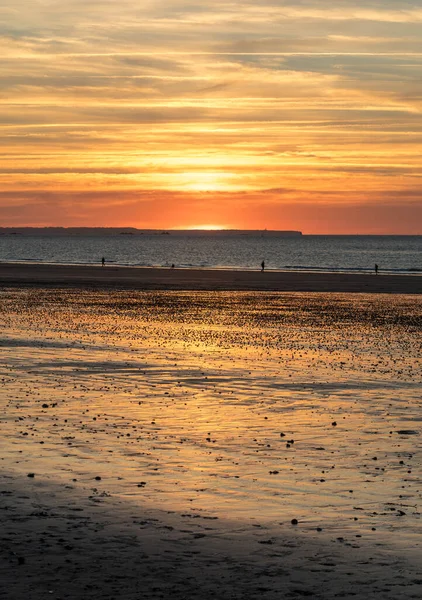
103 261
376 269
262 266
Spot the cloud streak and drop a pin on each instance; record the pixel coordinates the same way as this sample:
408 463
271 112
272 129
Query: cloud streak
147 105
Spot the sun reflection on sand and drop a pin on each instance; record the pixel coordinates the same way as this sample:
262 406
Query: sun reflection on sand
224 429
194 397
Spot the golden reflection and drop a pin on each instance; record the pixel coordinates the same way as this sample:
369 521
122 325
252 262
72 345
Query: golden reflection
223 402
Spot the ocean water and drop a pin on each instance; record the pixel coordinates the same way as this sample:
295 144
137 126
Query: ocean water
393 254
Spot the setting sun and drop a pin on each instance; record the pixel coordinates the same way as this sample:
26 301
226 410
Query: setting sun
204 228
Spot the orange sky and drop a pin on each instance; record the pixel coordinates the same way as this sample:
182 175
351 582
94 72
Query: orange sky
277 115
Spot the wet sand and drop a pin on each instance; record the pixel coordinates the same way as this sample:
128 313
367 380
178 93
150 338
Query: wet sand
164 444
204 279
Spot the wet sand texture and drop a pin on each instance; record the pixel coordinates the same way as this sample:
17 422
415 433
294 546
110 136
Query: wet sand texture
209 445
196 279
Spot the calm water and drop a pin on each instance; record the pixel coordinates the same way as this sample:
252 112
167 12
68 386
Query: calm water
401 254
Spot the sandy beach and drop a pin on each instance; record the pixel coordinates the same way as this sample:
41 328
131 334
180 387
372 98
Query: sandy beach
195 445
204 279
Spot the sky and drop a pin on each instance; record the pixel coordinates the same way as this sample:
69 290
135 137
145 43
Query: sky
258 114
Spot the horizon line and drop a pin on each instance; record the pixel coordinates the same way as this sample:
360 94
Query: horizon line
196 230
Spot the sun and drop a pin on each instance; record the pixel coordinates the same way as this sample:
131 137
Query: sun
207 227
202 227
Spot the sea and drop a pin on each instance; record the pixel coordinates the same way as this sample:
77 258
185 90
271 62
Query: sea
220 250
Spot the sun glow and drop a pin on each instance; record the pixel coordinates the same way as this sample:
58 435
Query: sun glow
214 181
205 227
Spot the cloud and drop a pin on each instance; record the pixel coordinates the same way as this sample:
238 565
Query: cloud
312 99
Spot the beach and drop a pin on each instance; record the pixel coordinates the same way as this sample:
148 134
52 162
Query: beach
134 278
161 439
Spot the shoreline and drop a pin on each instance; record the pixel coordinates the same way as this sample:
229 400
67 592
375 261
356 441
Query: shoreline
152 278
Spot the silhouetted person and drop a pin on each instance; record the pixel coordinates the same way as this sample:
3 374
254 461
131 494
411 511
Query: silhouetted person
262 266
103 261
376 269
172 266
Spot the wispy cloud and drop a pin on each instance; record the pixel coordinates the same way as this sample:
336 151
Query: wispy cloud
155 103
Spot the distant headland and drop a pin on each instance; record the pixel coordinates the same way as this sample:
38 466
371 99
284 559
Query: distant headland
101 231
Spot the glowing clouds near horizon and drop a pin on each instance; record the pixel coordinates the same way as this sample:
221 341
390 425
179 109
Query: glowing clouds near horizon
166 115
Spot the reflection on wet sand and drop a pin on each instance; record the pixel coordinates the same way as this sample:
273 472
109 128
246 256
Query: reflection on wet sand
233 412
